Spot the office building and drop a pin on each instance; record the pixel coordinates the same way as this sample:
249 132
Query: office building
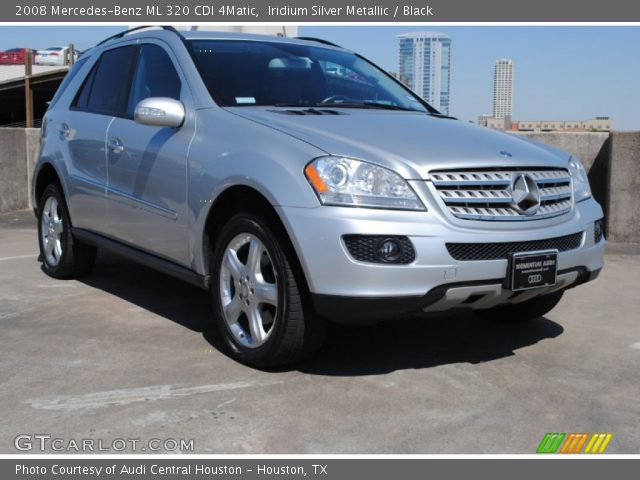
425 66
503 88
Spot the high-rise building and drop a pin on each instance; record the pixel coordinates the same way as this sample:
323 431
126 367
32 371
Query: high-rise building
425 66
503 88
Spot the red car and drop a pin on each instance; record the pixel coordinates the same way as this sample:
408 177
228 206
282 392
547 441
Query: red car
13 56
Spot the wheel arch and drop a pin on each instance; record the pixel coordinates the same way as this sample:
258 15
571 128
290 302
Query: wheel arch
244 198
45 175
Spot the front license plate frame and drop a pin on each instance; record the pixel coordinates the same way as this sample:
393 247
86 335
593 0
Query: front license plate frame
529 270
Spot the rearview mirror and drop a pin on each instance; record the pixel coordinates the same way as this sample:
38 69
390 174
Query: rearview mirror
159 112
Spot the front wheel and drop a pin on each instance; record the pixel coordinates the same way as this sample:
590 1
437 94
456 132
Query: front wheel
257 298
525 311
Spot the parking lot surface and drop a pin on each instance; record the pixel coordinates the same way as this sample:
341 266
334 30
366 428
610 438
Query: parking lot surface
127 353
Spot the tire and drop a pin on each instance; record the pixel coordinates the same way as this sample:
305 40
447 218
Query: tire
522 312
258 295
62 255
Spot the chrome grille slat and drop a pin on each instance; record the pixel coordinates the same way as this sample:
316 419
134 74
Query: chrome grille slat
487 195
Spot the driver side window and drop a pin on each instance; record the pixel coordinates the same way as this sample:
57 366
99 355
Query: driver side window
155 76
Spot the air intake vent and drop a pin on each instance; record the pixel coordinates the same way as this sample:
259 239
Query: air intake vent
498 251
494 194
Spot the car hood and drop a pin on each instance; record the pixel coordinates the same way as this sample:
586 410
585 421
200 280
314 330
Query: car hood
410 143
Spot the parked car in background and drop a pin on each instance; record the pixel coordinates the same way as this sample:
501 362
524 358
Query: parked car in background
52 56
14 56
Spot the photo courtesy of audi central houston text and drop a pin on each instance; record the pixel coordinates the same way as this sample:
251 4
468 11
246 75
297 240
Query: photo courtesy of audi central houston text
400 229
354 200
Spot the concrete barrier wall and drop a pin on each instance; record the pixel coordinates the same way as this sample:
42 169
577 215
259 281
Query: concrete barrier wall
13 170
586 146
612 160
624 188
19 149
32 151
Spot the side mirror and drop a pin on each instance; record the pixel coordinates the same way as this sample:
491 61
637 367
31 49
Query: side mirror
159 112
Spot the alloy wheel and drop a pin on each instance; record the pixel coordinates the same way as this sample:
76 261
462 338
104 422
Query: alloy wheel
52 228
248 290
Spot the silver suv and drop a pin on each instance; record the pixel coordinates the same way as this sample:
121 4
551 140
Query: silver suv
298 182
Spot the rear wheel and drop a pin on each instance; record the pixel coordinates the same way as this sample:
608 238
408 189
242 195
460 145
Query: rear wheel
525 311
62 255
257 297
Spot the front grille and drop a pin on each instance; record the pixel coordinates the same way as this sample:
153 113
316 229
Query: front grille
364 248
488 194
497 251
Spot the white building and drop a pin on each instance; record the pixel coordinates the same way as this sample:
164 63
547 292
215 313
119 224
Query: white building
425 66
503 88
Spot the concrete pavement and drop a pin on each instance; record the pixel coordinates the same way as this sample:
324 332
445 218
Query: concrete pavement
127 353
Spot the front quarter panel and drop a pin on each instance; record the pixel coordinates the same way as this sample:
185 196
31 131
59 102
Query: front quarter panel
227 151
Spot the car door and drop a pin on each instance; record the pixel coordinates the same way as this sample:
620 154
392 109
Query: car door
147 165
83 131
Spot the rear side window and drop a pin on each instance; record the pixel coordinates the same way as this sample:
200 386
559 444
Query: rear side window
105 89
155 76
67 80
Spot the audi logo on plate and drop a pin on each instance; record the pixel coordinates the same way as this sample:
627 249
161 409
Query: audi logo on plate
535 278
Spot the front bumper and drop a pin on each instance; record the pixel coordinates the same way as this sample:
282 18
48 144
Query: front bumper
336 279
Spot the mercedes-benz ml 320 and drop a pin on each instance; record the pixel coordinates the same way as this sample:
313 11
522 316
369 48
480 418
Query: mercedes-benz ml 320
298 182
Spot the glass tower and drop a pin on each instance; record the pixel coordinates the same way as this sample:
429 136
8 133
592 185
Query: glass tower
425 66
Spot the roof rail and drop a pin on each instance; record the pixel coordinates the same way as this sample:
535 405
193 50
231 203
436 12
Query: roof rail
125 32
318 40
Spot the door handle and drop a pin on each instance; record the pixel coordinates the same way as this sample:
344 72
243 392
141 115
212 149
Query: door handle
64 130
115 145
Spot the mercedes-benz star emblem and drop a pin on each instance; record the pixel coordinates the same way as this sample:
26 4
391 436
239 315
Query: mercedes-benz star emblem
525 194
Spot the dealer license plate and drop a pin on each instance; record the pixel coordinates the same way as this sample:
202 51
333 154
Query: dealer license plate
532 270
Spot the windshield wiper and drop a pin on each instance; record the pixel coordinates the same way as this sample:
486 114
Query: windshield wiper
373 105
441 115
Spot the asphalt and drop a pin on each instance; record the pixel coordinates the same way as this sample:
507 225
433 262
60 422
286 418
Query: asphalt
127 353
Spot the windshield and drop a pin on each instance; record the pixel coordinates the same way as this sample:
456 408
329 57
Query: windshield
248 73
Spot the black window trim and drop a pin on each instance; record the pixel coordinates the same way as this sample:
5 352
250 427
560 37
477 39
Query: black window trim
135 68
130 70
69 78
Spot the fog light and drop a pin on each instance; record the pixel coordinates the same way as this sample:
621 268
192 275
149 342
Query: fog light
389 250
598 230
394 249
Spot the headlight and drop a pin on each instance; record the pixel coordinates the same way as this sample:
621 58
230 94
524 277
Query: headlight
581 189
353 183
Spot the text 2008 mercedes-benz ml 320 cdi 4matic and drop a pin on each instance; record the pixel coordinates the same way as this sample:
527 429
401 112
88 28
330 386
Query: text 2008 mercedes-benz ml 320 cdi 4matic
298 183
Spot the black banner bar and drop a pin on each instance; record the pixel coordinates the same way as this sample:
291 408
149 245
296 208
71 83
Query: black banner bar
312 469
348 11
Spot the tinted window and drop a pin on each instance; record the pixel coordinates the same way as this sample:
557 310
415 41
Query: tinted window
82 97
245 73
67 80
155 76
105 90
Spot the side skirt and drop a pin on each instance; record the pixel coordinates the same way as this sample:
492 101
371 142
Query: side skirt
143 258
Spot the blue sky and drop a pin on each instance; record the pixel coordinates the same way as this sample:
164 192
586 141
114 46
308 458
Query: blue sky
560 72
